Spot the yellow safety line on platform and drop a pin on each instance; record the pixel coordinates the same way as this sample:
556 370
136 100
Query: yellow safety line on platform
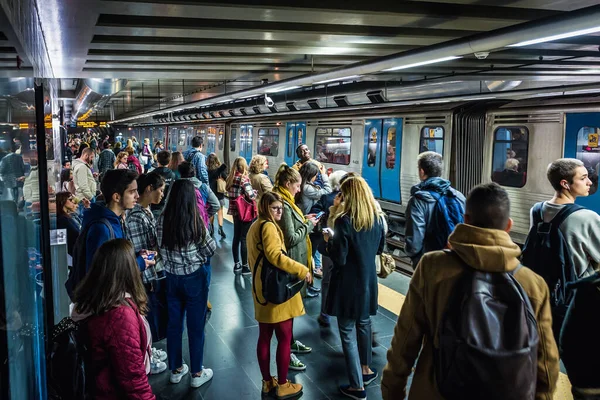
227 216
393 301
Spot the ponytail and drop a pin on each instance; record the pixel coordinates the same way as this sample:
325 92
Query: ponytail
285 175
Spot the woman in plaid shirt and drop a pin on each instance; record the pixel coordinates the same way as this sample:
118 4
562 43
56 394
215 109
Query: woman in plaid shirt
185 247
238 184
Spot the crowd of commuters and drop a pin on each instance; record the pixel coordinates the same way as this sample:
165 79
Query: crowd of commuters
145 228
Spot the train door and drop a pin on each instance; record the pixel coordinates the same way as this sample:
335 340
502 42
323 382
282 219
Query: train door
381 169
246 142
581 142
295 135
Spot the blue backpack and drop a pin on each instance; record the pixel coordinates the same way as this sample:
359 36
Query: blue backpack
447 213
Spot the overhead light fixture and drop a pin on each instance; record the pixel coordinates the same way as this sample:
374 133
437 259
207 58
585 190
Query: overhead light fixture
256 110
481 98
243 111
434 61
436 101
557 37
232 113
283 89
223 101
376 97
314 104
338 79
291 106
341 101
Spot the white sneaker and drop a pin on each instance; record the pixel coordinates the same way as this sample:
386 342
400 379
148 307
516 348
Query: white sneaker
176 378
159 354
206 376
157 366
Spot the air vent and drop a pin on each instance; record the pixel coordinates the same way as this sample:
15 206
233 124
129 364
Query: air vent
528 118
433 119
291 106
243 111
314 104
376 97
341 101
256 109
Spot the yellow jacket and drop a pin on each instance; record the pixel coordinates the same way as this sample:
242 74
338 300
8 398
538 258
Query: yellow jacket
274 248
430 289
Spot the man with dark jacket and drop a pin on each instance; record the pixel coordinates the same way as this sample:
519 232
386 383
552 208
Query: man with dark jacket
481 243
106 159
198 160
421 205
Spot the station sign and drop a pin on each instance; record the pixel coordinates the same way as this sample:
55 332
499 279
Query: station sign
23 126
91 124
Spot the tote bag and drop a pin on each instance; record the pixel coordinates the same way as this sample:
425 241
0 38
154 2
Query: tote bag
246 209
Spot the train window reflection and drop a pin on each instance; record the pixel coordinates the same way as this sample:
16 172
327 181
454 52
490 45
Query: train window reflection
211 139
390 153
432 139
372 150
233 137
290 142
588 151
509 160
268 142
221 137
332 145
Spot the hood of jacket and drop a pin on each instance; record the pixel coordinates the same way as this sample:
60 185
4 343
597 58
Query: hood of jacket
490 250
98 211
434 184
77 162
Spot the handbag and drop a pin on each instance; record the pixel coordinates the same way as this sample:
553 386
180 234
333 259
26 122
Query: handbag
278 286
221 185
246 209
385 265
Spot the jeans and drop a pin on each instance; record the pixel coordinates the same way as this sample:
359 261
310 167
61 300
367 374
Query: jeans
187 294
240 230
317 259
356 344
283 331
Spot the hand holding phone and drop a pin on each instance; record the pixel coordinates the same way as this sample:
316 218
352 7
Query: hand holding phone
319 215
150 256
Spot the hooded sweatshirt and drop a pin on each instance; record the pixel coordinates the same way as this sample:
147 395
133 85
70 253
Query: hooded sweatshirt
430 289
99 233
85 184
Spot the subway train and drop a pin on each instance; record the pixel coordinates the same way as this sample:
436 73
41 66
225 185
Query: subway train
509 142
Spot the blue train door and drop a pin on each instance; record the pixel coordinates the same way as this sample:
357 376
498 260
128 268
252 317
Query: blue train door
295 134
381 161
581 142
246 142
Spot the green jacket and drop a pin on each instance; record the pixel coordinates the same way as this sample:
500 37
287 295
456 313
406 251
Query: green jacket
295 230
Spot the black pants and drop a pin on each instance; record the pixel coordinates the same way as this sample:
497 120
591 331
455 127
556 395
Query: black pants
240 230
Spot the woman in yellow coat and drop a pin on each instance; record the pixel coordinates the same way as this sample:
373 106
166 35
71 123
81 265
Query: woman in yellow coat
266 238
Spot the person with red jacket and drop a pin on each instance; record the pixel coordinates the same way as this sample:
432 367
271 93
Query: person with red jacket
111 303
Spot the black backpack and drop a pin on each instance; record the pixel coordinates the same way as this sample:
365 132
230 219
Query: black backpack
79 269
488 340
546 253
68 356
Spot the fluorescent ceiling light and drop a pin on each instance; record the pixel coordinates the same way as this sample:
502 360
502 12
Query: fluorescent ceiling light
337 79
283 89
223 101
436 101
437 60
557 37
583 91
481 98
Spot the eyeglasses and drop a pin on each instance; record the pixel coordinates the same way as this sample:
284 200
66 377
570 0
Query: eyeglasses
277 209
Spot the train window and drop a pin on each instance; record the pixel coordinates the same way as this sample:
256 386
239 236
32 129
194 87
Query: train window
211 139
588 151
290 142
372 150
233 137
268 142
509 161
390 153
332 145
221 138
432 139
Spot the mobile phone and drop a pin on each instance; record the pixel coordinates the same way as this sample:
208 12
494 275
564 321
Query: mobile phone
319 215
328 231
150 257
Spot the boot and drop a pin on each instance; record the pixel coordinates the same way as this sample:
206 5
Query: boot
268 388
222 232
288 390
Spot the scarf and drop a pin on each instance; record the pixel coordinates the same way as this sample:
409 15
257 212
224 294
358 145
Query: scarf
287 197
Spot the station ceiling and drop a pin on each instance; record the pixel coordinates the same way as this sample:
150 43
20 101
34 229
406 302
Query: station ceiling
177 51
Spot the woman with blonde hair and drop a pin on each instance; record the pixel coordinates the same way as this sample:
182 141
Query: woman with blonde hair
258 177
266 242
238 184
121 161
296 228
356 239
216 171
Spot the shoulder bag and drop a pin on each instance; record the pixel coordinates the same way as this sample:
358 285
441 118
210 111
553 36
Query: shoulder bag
221 185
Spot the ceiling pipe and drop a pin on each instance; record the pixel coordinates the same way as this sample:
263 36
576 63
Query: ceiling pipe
581 19
94 93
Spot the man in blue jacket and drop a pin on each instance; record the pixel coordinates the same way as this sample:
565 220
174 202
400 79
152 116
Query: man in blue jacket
119 188
198 160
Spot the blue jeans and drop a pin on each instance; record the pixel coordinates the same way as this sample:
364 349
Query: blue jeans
356 345
187 294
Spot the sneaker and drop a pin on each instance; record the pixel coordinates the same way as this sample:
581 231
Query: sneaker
323 320
199 380
157 366
246 270
368 378
288 390
159 354
296 364
268 388
177 375
237 268
353 394
299 348
314 289
318 273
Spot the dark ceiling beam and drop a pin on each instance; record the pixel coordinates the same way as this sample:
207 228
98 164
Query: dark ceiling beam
429 8
214 63
533 52
141 21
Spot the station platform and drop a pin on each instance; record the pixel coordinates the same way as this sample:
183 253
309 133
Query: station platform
232 333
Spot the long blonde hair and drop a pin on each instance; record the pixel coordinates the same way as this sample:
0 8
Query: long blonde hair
359 203
285 175
239 165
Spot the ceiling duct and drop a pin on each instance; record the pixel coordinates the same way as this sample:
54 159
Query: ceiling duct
314 104
291 106
256 109
273 108
341 101
376 97
243 111
232 113
94 94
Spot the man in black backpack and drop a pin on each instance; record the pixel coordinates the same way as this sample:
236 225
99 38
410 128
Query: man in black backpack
433 210
563 244
481 248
